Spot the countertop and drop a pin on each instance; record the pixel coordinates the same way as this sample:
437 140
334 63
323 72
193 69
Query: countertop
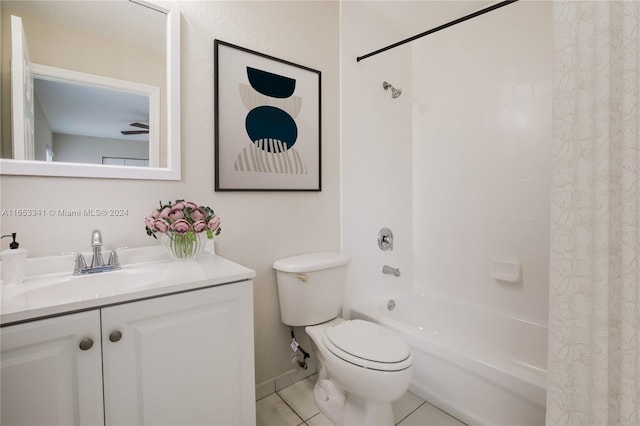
38 298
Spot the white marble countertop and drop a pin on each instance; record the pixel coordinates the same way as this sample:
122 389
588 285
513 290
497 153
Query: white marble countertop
50 288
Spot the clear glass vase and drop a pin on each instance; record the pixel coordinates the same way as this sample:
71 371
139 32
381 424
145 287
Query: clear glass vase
185 246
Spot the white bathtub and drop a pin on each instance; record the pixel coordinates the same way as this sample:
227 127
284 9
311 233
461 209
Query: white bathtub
482 367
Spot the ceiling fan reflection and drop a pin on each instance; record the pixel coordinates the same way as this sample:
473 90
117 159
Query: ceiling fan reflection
137 132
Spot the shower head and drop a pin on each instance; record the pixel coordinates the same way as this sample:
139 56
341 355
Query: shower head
394 92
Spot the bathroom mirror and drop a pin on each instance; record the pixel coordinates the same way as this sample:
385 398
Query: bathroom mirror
101 78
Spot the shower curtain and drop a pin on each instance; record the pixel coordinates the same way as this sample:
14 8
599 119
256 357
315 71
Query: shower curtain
594 314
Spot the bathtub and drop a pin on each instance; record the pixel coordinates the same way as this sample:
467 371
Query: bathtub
481 366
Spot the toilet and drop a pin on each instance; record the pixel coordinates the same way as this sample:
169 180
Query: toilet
362 366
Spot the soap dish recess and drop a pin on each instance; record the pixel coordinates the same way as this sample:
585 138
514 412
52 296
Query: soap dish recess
508 271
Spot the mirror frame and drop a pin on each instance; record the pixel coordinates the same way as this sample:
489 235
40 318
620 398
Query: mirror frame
172 171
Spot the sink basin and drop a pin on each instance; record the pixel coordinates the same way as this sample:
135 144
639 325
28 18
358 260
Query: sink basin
70 288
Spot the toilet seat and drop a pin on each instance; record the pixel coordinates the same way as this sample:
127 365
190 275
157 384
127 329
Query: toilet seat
368 345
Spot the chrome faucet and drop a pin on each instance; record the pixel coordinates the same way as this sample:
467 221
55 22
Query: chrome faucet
96 245
386 269
97 262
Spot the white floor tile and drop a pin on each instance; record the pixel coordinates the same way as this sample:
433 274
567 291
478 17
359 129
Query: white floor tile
319 420
299 396
404 406
295 403
428 415
272 411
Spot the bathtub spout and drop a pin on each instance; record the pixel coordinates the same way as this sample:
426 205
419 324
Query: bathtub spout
386 269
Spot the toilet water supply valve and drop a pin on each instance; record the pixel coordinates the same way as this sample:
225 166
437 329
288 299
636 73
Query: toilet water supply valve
298 352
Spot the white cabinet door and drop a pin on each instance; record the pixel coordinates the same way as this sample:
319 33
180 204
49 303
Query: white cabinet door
22 97
46 378
183 359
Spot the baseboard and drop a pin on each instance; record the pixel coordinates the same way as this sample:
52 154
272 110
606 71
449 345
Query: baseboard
280 382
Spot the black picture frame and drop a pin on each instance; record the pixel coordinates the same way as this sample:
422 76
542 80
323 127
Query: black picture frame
267 122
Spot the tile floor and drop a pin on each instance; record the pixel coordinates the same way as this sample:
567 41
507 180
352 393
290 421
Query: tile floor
294 406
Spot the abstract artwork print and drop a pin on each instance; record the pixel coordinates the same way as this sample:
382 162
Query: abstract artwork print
270 124
267 122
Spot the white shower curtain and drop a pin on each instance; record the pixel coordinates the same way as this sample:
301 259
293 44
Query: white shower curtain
594 315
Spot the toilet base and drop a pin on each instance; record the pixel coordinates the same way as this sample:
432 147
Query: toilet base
329 399
346 409
358 411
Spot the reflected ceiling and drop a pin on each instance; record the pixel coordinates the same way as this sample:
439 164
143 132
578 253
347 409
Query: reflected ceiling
76 109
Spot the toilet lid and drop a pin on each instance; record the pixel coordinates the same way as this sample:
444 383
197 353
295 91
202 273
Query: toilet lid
368 341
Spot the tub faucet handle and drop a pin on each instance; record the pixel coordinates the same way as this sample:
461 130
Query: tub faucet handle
385 239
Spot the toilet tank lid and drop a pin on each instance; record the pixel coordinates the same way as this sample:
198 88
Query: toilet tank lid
312 262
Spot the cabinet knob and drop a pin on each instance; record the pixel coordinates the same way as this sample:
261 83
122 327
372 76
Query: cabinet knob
115 336
86 344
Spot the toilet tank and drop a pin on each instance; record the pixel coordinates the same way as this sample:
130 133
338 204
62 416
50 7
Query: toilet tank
311 287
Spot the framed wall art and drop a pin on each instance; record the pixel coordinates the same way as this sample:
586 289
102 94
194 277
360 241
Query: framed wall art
267 122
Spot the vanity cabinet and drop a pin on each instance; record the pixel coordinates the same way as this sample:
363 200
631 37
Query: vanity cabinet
46 378
180 359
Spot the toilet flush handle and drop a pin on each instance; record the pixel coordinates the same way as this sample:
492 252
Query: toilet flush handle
303 277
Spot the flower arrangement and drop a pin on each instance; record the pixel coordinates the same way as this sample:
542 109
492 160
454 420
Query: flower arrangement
181 224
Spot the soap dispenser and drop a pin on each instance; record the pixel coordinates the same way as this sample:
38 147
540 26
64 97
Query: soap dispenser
14 262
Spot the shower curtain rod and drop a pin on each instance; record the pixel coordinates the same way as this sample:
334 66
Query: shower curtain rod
441 27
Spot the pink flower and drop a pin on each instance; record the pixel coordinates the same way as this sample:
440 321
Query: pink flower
149 222
199 226
214 223
197 215
181 226
175 214
164 213
161 225
181 217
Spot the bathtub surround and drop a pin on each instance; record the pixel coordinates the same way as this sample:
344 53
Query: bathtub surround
482 159
460 162
461 166
302 32
594 315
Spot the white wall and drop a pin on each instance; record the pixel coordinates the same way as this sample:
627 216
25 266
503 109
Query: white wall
258 228
376 154
482 159
88 149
